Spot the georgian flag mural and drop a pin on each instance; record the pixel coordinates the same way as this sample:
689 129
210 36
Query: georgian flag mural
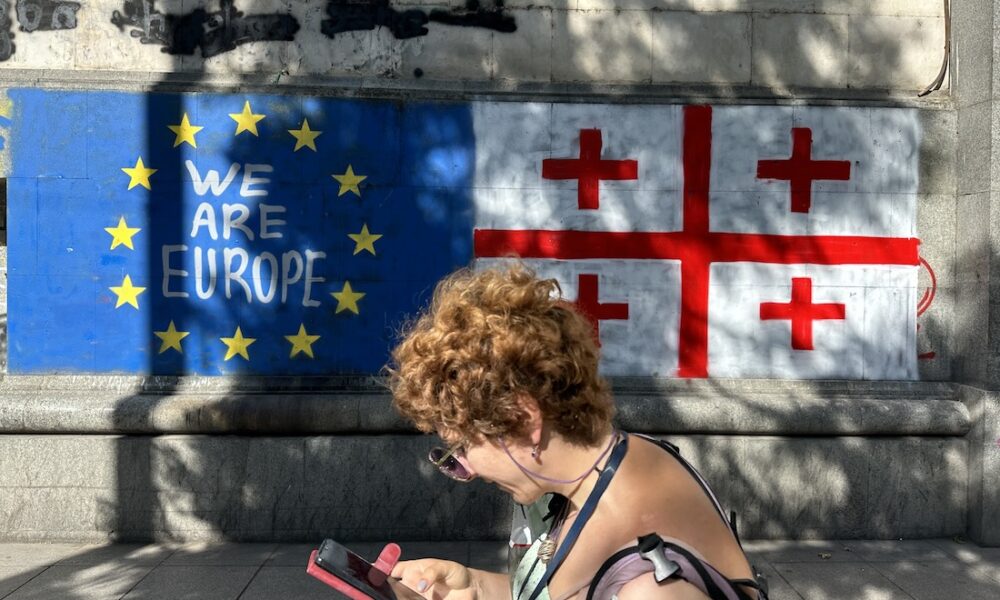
222 234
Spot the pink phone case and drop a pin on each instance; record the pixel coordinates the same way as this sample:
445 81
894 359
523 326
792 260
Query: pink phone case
316 571
385 562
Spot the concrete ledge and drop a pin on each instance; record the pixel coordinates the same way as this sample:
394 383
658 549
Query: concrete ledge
376 487
456 90
306 406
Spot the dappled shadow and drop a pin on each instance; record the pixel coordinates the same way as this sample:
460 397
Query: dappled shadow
240 460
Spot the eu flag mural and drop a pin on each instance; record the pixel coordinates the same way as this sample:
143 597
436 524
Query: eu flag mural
219 234
227 234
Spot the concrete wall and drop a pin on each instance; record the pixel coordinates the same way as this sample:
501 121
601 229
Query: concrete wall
779 44
222 464
869 460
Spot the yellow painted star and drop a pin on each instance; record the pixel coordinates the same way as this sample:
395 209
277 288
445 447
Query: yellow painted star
237 345
185 132
171 338
364 240
347 299
122 234
305 137
127 293
6 107
302 342
246 120
139 175
349 182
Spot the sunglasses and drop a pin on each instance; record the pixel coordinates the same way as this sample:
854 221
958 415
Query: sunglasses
446 460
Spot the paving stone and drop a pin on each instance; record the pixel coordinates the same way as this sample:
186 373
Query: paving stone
287 582
294 555
123 554
82 582
488 556
192 583
893 550
800 551
933 580
838 581
777 587
12 578
36 555
221 554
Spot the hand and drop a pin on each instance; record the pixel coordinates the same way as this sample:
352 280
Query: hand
437 579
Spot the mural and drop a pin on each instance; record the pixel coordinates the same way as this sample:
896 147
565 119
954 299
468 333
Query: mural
221 234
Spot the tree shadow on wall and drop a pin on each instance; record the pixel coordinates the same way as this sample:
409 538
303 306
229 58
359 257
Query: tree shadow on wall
225 470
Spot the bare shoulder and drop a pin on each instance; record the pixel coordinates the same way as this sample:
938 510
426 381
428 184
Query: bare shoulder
645 587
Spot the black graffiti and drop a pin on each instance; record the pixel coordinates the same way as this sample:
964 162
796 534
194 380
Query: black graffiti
213 32
6 37
361 15
46 15
474 15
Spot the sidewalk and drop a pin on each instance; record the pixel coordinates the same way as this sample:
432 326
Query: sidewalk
848 570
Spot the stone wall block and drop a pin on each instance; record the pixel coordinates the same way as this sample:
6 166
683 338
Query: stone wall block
973 165
972 239
526 54
937 152
797 50
972 60
198 463
915 8
935 334
972 332
602 46
936 230
449 53
824 486
936 467
49 514
358 53
894 52
701 47
984 465
100 45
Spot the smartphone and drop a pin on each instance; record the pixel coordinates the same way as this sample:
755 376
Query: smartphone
353 576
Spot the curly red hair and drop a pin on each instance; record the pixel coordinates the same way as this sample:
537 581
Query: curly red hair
489 338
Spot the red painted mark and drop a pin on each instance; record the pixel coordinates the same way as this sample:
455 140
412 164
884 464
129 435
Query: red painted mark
801 170
925 302
590 306
929 293
801 312
696 247
589 169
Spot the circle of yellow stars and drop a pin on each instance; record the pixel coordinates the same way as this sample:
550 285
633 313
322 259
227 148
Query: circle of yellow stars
140 174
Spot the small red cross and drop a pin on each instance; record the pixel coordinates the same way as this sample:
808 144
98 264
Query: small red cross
586 301
589 169
802 312
801 170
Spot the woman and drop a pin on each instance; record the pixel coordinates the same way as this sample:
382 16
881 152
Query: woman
505 373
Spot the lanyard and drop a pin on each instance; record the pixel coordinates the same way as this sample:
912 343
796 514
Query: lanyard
585 513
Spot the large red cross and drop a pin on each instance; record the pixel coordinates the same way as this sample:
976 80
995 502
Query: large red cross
802 312
591 307
696 247
589 169
801 170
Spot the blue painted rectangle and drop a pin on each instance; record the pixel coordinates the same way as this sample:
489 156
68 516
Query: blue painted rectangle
67 186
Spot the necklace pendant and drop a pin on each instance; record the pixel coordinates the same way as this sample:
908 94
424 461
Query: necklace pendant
546 550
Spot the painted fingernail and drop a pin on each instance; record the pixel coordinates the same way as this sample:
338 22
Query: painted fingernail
422 585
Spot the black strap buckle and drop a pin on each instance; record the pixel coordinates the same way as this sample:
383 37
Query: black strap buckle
651 549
